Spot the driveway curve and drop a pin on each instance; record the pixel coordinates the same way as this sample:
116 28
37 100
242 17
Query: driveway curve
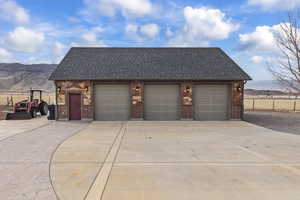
25 158
77 161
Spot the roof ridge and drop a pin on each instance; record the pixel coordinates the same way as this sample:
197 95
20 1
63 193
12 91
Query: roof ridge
145 48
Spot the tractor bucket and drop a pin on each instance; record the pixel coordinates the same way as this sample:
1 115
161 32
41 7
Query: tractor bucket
18 116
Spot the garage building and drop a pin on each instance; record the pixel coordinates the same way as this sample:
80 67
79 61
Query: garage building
120 84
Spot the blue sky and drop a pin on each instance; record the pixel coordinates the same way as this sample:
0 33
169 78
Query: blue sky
35 31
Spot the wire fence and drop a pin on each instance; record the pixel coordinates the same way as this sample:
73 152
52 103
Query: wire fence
272 104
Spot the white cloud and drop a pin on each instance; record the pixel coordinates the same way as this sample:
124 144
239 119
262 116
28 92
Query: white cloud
275 4
34 59
112 7
262 39
150 30
203 25
11 11
74 19
141 33
132 31
256 59
169 32
24 40
90 38
58 49
5 56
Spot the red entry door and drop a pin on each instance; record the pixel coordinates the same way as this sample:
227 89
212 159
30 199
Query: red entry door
75 107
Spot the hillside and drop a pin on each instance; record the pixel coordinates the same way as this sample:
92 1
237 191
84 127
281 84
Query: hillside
264 92
20 77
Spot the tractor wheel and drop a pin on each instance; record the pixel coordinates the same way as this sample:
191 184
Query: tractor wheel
43 108
33 113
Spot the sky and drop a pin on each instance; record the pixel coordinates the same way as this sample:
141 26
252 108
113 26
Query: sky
40 31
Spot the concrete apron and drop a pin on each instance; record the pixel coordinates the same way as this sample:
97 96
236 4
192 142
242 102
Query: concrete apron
80 166
177 160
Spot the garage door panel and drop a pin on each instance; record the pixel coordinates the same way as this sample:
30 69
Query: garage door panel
161 102
112 102
211 102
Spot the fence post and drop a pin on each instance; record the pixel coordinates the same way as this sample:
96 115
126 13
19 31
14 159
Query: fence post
295 104
273 104
12 100
253 106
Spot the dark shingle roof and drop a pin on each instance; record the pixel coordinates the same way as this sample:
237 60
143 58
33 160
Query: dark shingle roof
148 64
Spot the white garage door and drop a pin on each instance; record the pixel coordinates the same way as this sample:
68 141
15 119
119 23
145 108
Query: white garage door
211 102
112 102
161 102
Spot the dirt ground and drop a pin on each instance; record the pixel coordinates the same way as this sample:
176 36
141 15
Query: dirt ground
278 121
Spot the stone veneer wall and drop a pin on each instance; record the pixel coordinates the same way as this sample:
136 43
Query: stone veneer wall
237 100
85 88
186 96
137 100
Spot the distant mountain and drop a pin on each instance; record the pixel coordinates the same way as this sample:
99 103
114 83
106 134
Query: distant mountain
263 85
20 77
264 92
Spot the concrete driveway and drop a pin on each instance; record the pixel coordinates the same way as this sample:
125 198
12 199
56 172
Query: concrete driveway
177 160
25 153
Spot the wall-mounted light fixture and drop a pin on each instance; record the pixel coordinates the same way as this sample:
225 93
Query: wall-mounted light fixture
59 89
239 88
188 89
137 89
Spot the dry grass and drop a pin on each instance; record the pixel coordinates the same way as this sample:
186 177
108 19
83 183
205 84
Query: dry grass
6 108
287 105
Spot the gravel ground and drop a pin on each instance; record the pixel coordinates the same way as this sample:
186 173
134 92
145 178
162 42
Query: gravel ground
24 161
278 121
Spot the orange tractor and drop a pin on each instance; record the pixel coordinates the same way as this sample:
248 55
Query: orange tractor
29 108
